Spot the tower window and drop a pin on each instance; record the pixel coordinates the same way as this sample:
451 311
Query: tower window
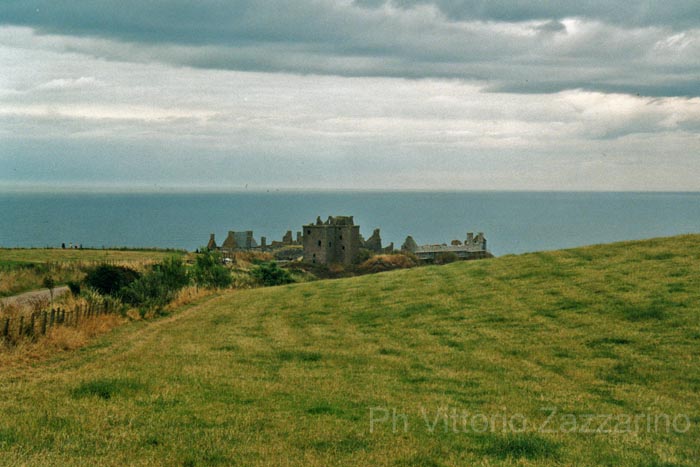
319 243
329 244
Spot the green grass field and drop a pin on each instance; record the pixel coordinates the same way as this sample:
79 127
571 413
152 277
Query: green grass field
294 375
56 255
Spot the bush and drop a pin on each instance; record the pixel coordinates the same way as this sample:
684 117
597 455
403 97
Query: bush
158 286
381 263
209 272
269 274
172 273
109 280
363 255
147 293
49 283
74 287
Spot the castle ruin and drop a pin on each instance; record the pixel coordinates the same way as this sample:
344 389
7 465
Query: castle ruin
473 247
338 241
245 241
335 241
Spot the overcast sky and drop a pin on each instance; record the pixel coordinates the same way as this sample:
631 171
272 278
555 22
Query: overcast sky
365 94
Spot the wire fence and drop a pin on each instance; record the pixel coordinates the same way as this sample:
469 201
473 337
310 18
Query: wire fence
38 323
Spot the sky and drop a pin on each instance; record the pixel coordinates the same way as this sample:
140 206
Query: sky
363 94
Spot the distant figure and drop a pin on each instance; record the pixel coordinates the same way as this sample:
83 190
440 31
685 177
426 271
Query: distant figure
63 245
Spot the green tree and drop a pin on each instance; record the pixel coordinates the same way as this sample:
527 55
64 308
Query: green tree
49 283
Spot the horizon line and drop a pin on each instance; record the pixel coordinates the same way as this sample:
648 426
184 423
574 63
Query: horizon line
194 189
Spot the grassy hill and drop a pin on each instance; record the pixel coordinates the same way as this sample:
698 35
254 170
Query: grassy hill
294 375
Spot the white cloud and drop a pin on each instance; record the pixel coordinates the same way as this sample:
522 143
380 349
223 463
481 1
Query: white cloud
70 83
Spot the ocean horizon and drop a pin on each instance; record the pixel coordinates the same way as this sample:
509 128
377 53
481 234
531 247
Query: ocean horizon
512 221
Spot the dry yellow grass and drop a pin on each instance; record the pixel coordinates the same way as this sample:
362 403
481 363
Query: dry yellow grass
187 296
57 340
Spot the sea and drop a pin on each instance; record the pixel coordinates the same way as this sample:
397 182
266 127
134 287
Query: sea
513 222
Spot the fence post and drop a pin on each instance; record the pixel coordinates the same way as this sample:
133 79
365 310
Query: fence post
30 329
44 316
21 325
6 330
53 317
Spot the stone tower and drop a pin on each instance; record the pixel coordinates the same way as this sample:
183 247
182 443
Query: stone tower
212 243
335 241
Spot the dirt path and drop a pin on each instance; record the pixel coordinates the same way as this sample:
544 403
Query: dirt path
28 297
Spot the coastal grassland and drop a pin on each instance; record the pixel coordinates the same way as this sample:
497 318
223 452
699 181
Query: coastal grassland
288 375
24 269
57 255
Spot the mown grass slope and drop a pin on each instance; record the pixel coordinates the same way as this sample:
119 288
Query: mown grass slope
288 375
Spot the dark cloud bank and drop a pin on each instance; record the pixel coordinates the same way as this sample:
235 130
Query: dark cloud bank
636 47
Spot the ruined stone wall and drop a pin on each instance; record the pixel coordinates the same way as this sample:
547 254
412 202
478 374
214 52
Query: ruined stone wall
346 244
212 243
374 243
335 241
315 241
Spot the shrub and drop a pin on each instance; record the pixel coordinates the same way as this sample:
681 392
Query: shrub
336 269
381 263
74 287
172 273
209 272
157 287
148 292
363 255
108 279
269 274
49 283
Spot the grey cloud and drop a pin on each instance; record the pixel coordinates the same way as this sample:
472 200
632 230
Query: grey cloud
673 88
678 14
552 26
614 49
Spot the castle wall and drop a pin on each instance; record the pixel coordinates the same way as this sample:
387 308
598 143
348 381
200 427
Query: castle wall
331 243
315 244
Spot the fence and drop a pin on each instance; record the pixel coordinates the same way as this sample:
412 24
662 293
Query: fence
38 323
